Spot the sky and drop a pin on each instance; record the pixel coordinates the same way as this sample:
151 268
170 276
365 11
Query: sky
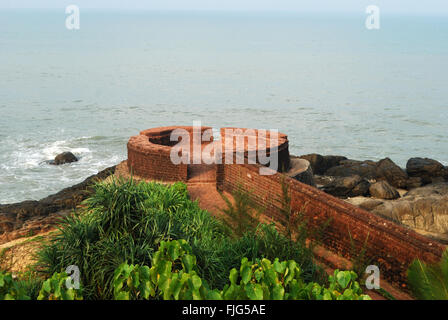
392 6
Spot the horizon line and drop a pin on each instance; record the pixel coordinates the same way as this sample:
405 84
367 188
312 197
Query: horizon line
218 10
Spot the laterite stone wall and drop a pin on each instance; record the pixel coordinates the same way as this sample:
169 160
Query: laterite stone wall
149 155
392 247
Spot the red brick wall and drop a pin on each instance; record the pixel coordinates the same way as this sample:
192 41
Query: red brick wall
391 246
149 154
153 163
281 145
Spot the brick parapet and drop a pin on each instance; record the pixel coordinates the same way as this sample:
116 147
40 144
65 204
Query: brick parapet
391 246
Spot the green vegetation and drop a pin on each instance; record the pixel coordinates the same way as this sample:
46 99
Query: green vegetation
242 214
10 289
150 241
429 281
173 275
126 221
56 288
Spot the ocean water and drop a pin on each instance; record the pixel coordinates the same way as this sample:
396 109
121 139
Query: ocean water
332 85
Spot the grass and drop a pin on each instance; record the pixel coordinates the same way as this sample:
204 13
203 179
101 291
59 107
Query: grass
125 221
429 281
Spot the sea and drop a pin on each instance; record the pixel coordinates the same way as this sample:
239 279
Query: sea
332 85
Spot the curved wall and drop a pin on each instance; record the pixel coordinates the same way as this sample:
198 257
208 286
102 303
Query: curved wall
149 155
280 146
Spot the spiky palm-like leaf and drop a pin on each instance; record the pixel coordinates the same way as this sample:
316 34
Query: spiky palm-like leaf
429 281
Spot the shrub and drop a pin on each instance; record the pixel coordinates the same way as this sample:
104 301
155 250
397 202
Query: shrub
241 214
31 285
429 281
10 288
173 275
56 288
125 221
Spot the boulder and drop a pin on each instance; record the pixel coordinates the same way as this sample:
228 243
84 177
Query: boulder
422 209
342 186
425 168
430 190
300 169
346 168
320 163
383 190
413 182
361 189
387 170
332 161
315 160
383 170
65 157
323 180
365 203
369 204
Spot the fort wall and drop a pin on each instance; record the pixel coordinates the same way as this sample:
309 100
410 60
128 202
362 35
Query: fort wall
389 245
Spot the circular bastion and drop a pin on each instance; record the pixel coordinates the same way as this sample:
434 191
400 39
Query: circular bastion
149 153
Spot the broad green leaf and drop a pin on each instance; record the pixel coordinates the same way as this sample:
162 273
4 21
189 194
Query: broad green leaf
246 274
278 292
233 276
343 278
254 291
196 281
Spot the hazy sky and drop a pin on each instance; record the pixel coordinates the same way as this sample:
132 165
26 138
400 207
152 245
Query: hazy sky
392 6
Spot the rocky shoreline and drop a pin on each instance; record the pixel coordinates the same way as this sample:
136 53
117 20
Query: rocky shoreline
33 217
415 196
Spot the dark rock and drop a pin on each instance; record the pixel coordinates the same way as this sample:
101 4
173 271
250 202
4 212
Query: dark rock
332 161
300 169
387 170
361 189
316 161
320 163
342 186
425 168
383 190
346 168
65 157
383 170
323 180
413 182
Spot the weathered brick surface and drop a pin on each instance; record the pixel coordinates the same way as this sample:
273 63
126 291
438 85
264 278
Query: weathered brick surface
279 146
392 247
149 154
